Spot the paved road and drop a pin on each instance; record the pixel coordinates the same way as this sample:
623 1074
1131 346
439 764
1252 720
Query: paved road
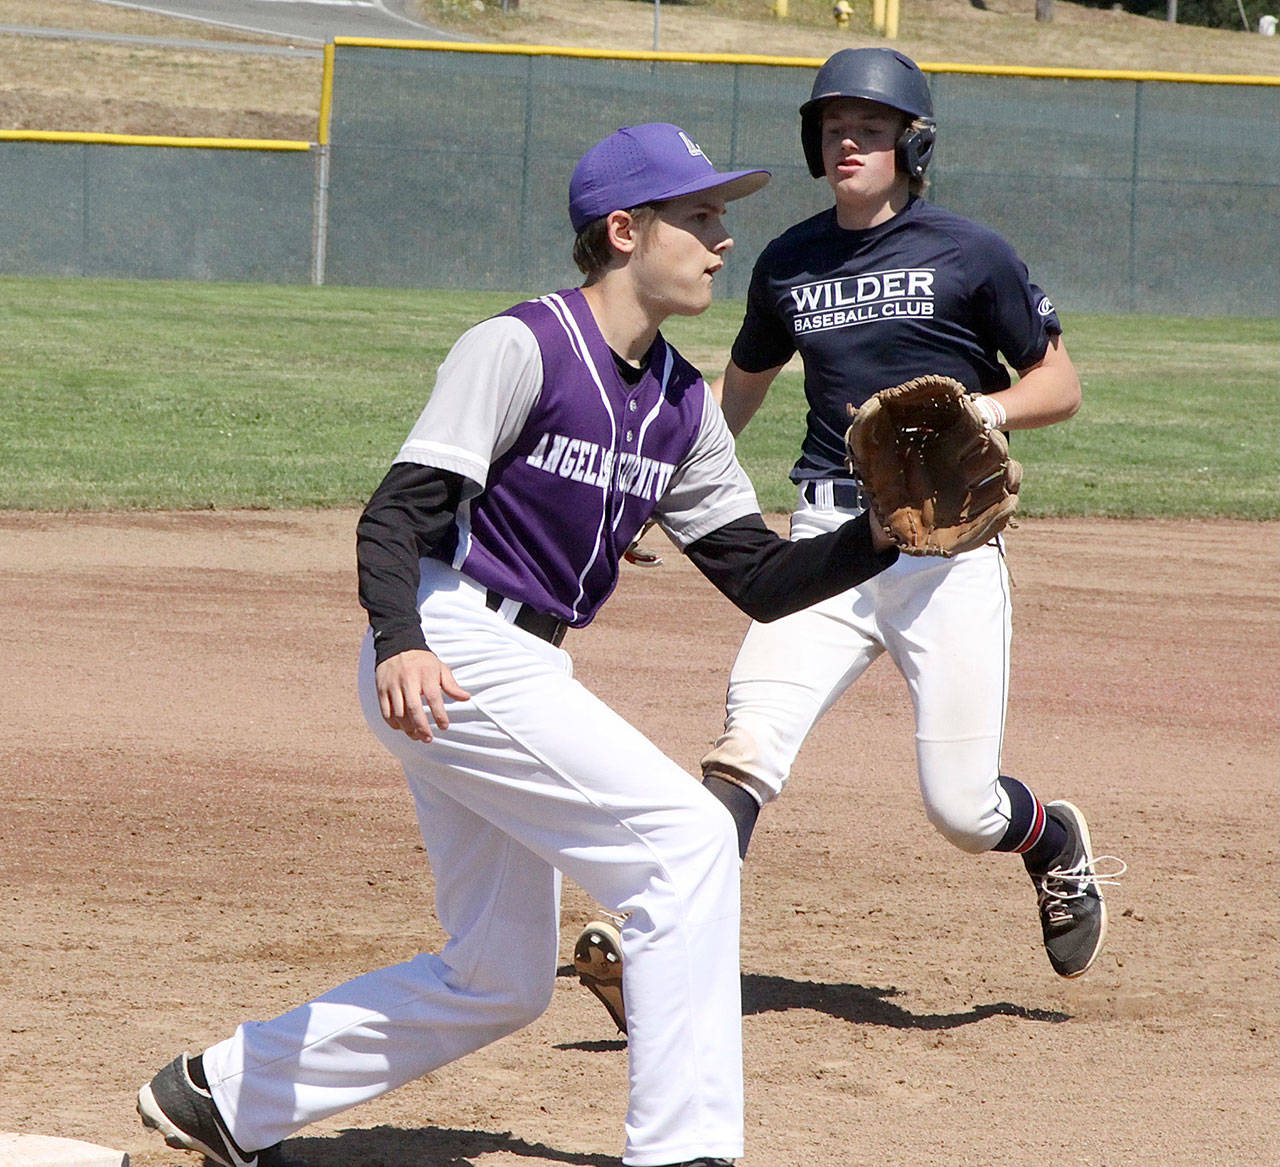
300 20
301 49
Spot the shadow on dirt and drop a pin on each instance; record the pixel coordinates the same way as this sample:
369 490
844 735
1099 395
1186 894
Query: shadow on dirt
761 993
857 1004
870 1006
386 1146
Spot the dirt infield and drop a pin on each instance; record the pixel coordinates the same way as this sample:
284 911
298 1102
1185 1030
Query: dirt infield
200 829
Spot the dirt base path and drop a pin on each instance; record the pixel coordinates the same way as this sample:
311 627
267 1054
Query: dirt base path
200 829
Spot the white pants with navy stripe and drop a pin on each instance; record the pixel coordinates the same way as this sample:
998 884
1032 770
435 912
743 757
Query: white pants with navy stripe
533 777
945 623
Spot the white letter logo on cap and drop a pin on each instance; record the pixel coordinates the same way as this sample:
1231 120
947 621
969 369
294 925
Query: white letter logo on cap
692 146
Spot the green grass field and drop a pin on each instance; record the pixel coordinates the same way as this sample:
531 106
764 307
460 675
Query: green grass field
124 394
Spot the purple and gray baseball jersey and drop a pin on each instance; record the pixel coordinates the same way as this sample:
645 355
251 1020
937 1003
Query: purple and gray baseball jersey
569 460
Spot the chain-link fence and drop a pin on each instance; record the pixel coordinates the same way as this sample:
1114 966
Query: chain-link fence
97 208
452 168
448 166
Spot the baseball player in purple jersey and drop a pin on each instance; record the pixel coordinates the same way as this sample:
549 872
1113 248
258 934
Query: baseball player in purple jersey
554 432
881 288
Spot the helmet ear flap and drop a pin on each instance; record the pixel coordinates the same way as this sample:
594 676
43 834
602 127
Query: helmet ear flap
915 146
811 140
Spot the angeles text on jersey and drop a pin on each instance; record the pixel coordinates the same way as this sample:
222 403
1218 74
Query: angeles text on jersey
588 462
593 457
861 299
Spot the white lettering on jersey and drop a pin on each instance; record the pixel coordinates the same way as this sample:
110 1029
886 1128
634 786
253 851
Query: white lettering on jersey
884 295
548 459
587 462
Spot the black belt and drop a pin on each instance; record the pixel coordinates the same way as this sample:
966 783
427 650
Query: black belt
844 495
536 623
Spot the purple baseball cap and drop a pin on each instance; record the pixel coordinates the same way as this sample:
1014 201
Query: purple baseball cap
647 164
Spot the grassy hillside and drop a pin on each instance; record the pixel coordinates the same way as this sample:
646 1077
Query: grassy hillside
980 32
150 88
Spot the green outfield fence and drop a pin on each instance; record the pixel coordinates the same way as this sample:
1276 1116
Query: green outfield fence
447 165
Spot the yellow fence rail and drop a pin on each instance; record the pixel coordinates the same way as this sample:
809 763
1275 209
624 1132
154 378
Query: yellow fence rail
153 140
792 62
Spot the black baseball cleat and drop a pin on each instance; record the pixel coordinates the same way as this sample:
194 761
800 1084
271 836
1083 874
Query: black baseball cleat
704 1163
1073 915
186 1115
597 959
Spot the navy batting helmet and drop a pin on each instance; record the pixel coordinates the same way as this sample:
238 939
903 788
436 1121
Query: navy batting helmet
882 75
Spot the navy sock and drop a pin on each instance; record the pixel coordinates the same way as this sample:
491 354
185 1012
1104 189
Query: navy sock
740 802
1031 833
1040 858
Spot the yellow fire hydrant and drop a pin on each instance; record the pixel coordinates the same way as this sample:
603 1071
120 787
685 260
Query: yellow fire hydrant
842 10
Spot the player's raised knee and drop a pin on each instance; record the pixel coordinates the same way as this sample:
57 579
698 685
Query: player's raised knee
519 1003
962 827
737 757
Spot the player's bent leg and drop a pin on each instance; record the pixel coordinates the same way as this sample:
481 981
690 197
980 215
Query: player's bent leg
549 764
1067 878
957 673
1055 845
393 1025
960 792
680 978
786 675
947 626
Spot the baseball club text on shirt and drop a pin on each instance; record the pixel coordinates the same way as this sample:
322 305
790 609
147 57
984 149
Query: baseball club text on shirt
859 299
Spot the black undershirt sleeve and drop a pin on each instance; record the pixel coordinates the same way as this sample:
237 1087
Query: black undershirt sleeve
409 516
412 513
769 577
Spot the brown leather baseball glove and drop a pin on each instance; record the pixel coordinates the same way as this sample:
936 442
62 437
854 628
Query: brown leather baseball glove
940 479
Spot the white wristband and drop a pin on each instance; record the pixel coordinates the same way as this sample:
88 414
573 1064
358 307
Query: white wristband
992 412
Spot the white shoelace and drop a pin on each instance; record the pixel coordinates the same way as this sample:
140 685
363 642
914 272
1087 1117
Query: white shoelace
1058 885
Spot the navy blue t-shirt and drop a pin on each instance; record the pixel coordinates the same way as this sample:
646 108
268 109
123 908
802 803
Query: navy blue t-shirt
927 291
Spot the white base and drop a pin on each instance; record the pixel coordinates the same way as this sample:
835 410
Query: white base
43 1151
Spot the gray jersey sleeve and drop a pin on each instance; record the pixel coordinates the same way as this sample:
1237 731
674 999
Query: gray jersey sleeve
483 394
708 488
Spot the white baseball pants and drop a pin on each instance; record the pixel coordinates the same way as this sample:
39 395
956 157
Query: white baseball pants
946 624
533 777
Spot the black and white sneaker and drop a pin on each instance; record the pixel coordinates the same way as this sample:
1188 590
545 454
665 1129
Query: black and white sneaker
704 1163
186 1115
1073 915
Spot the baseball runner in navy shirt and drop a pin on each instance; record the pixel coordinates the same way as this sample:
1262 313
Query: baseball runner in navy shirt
555 431
879 289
